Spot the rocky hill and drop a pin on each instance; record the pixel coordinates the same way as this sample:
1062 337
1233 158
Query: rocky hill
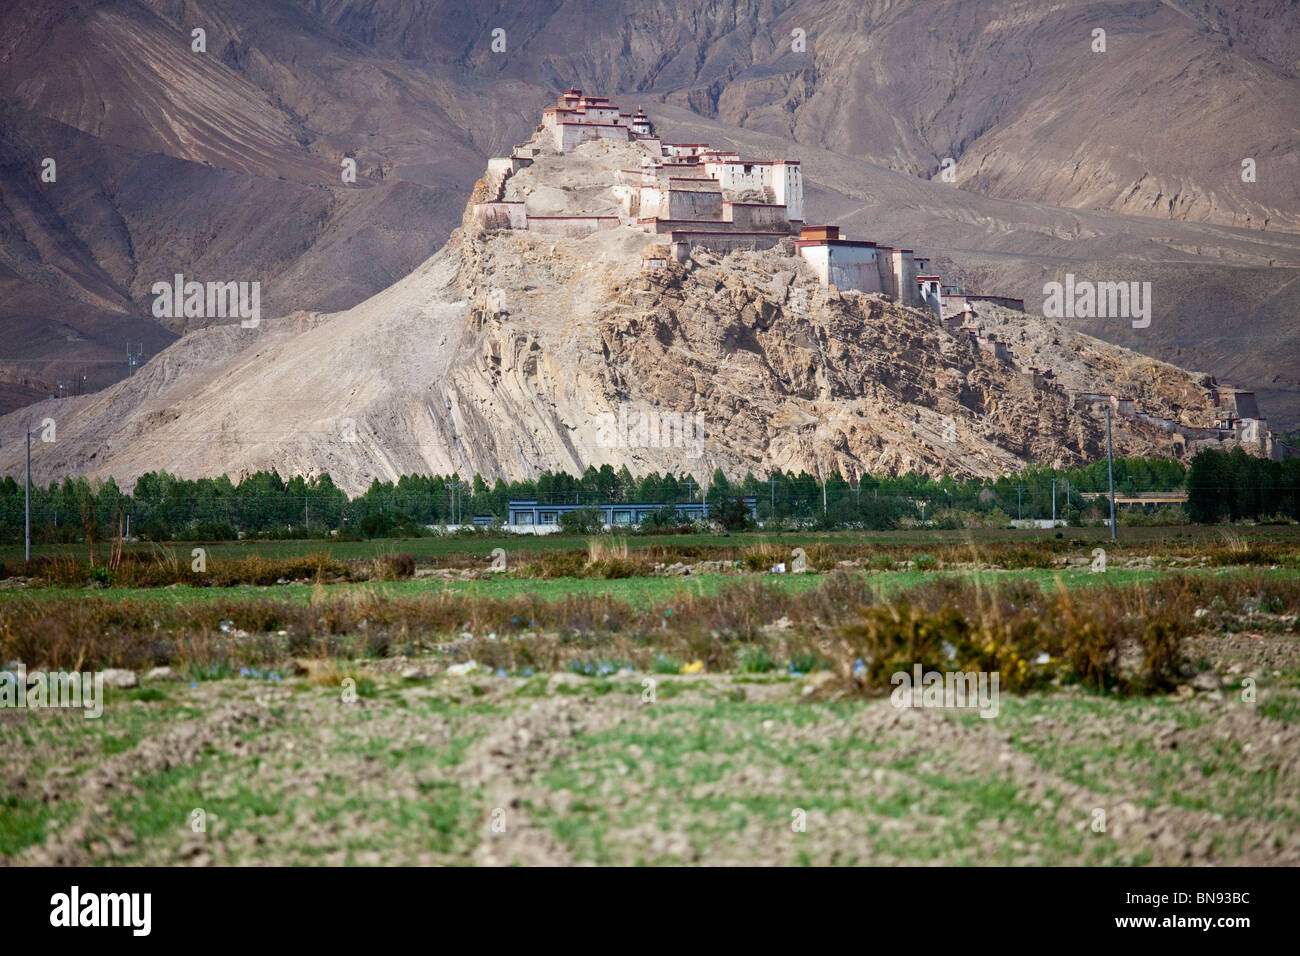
509 352
225 165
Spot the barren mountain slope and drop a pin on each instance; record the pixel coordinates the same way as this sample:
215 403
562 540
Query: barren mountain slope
225 165
510 352
1012 90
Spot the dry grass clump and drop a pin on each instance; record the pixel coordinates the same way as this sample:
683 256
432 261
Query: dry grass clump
324 673
763 556
620 558
605 560
161 568
392 567
1123 638
1126 638
598 550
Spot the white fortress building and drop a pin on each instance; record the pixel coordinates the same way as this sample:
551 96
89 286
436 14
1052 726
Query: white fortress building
590 167
694 195
864 266
577 118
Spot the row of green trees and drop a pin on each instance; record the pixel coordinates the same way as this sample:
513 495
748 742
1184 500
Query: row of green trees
163 506
1236 485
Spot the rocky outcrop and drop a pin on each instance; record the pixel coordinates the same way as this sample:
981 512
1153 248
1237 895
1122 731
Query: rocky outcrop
226 165
510 352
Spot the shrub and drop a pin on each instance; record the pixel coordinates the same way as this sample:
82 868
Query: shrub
733 514
663 664
208 531
557 564
1090 651
1161 517
664 520
375 525
1162 651
155 529
258 570
611 568
393 567
755 660
893 638
1027 555
1029 636
582 521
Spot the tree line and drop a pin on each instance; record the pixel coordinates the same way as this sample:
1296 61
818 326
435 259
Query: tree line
162 506
1235 485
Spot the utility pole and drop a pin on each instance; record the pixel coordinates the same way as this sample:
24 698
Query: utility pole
823 492
773 496
27 503
306 513
1110 477
1019 510
1053 502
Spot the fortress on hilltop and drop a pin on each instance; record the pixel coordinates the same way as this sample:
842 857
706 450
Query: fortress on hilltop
590 167
694 195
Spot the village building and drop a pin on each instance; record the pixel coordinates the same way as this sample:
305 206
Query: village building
861 266
578 118
931 294
1233 404
700 196
689 193
529 514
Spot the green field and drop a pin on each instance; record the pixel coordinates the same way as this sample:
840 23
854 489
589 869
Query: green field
715 770
639 592
460 718
480 545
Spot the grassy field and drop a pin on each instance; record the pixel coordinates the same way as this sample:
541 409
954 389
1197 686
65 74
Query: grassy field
479 546
638 592
716 769
715 718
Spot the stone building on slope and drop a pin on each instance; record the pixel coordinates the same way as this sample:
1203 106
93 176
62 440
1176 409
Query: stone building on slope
691 194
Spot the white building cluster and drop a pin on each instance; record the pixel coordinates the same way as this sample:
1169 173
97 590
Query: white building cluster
578 118
692 194
695 195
